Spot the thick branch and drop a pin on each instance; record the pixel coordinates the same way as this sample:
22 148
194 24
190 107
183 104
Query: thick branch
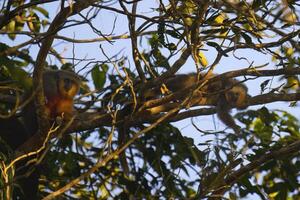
89 121
94 120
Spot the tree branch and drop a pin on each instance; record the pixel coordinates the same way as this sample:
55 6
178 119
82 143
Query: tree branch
88 121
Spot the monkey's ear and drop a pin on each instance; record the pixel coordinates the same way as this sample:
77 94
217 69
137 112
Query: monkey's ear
71 75
50 78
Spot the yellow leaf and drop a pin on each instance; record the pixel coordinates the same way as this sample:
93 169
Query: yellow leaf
273 195
289 51
202 59
11 26
30 26
292 83
290 17
188 21
219 19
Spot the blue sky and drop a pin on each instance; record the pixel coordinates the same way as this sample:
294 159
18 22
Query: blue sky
104 22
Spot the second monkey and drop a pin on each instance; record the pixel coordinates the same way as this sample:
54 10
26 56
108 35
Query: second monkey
224 94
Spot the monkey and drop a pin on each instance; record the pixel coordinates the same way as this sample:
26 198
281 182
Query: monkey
223 94
60 88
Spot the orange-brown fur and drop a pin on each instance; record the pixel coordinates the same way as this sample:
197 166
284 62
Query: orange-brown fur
56 106
224 94
60 87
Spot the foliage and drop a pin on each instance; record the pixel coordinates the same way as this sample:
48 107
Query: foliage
163 160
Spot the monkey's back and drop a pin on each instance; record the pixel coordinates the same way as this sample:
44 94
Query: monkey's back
181 81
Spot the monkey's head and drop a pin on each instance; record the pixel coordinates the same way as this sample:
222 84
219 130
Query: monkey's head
60 88
68 84
237 96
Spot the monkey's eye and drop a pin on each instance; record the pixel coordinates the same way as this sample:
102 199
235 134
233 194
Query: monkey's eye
233 96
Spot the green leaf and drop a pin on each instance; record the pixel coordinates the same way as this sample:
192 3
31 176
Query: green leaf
36 23
212 31
173 33
247 38
42 11
67 66
264 84
99 76
217 47
21 77
257 3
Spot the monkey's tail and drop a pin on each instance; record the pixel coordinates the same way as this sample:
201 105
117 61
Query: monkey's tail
123 130
223 111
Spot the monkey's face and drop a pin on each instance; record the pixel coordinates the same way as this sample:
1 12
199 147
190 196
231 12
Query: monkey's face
68 84
237 97
68 88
